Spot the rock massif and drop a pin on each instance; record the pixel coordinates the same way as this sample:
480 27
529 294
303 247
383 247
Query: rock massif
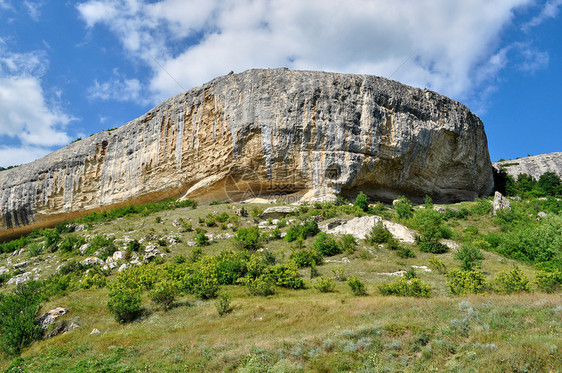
534 166
262 132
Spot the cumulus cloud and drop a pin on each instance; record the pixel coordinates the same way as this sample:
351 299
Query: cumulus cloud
451 47
27 116
117 88
550 10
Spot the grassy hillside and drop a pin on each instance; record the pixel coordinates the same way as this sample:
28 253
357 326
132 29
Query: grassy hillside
287 304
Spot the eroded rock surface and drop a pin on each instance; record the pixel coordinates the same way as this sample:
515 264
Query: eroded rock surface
262 132
534 166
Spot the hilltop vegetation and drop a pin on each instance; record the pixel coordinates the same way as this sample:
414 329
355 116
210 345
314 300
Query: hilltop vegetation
221 287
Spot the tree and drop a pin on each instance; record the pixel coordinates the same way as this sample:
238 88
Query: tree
549 183
362 201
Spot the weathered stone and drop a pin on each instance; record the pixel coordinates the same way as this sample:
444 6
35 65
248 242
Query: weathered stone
500 203
93 261
4 270
49 317
361 228
534 166
439 209
21 265
119 256
262 132
20 279
542 214
278 211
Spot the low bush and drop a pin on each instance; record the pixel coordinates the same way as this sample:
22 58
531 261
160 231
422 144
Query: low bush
325 284
326 245
405 253
470 257
261 286
285 275
379 234
402 287
513 281
362 201
348 243
223 304
164 294
248 238
403 207
433 247
306 257
201 239
357 286
549 281
13 245
18 318
309 229
124 303
466 282
437 265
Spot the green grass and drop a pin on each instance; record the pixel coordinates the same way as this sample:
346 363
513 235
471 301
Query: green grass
302 328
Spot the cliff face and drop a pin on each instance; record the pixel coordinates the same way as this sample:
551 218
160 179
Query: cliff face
534 166
262 132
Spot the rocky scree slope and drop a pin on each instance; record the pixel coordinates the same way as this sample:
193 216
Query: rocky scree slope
262 132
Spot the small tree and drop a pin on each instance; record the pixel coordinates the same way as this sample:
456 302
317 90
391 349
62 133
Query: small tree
362 201
357 286
470 257
404 208
249 238
124 303
164 294
379 234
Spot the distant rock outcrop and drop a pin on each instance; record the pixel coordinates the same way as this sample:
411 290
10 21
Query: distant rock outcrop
262 132
534 166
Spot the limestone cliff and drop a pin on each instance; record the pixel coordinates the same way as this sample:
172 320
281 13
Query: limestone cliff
262 132
534 166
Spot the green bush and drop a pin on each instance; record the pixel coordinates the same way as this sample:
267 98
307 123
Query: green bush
164 294
18 318
306 257
249 238
513 281
309 229
13 245
483 207
470 257
325 284
348 243
393 244
405 253
362 201
326 245
134 246
357 286
52 238
403 207
92 281
201 239
223 304
379 234
261 286
437 265
204 282
549 281
286 275
402 287
124 303
433 247
466 282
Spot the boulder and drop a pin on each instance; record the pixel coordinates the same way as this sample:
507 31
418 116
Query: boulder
361 228
534 166
20 279
93 261
262 133
276 212
49 317
500 203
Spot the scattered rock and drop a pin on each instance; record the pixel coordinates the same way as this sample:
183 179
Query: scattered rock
84 248
453 245
49 317
20 279
500 203
361 228
240 211
176 223
542 214
119 256
423 268
123 267
400 232
93 261
439 209
21 265
4 270
278 211
95 331
397 273
330 224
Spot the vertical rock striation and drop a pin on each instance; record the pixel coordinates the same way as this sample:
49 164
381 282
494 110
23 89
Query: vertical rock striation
262 132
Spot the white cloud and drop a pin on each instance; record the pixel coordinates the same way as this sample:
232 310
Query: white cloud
27 116
16 155
118 89
33 9
550 10
455 46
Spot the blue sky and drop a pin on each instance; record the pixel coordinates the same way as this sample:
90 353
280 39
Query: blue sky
72 68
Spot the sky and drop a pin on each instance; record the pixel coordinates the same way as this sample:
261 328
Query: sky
69 69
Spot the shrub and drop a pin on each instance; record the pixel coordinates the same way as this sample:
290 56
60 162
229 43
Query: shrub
466 282
393 244
18 318
92 281
326 245
437 264
10 246
308 229
410 274
470 257
404 208
223 304
261 286
483 207
379 234
52 238
549 281
134 246
513 281
406 288
249 238
405 253
348 243
357 286
164 294
286 275
433 247
362 201
201 239
204 282
325 284
124 303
